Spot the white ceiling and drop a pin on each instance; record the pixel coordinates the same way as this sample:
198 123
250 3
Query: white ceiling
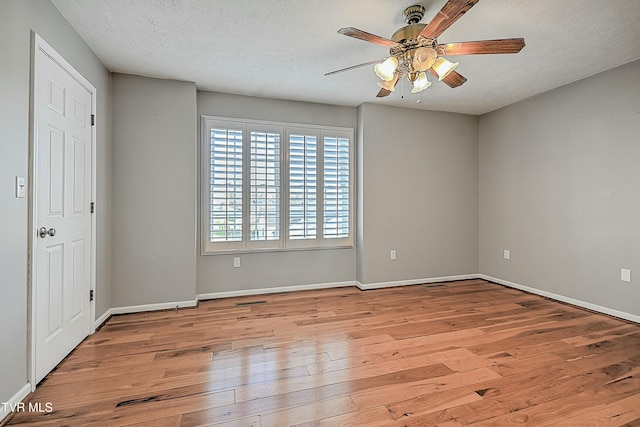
282 48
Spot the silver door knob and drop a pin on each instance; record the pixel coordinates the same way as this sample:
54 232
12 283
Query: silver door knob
43 232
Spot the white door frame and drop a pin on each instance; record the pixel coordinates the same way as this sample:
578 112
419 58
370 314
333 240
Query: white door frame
38 44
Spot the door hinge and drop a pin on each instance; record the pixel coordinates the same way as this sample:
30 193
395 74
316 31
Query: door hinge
93 207
91 295
93 120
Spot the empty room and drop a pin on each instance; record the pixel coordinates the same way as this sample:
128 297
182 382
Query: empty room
320 213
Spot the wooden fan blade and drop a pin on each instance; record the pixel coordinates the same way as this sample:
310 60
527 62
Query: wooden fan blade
450 13
354 67
383 92
482 47
368 37
454 79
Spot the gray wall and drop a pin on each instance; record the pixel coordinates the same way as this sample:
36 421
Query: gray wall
275 269
17 19
418 191
154 190
559 188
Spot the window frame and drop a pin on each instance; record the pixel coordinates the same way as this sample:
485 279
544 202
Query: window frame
284 243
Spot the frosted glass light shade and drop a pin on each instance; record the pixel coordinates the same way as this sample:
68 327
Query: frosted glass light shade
424 58
390 85
386 69
421 83
443 67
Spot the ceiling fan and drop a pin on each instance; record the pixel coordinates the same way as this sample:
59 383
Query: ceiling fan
414 49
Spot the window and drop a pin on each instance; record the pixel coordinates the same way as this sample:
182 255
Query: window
275 186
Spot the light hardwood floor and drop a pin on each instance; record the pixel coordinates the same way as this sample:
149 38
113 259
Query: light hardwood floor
452 354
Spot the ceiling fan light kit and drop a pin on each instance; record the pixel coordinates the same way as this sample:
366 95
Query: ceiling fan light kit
444 67
424 58
387 68
390 84
421 83
414 49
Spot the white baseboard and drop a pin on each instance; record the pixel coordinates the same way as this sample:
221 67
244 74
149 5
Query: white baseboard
100 320
380 285
249 292
153 307
364 287
5 410
215 295
568 300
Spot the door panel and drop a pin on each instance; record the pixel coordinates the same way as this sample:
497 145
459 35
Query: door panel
79 178
52 281
52 165
77 278
56 97
62 195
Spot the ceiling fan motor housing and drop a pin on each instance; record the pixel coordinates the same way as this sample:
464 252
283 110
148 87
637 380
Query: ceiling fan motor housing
408 33
409 40
407 36
413 14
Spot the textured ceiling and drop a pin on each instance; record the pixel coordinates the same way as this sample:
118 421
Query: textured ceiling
282 48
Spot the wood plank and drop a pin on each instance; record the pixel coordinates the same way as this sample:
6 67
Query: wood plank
624 412
545 414
411 368
242 422
432 402
307 413
389 394
426 356
374 417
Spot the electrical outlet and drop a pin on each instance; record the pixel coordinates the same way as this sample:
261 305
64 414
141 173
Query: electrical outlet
393 254
625 275
507 254
236 262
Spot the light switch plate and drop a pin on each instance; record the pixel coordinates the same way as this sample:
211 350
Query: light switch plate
21 187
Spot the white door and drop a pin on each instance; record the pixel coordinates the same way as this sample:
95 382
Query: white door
62 212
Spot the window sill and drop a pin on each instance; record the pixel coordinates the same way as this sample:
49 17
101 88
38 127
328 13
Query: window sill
271 250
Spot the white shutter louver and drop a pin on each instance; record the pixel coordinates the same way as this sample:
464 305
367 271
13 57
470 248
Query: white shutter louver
265 186
336 187
302 186
225 186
